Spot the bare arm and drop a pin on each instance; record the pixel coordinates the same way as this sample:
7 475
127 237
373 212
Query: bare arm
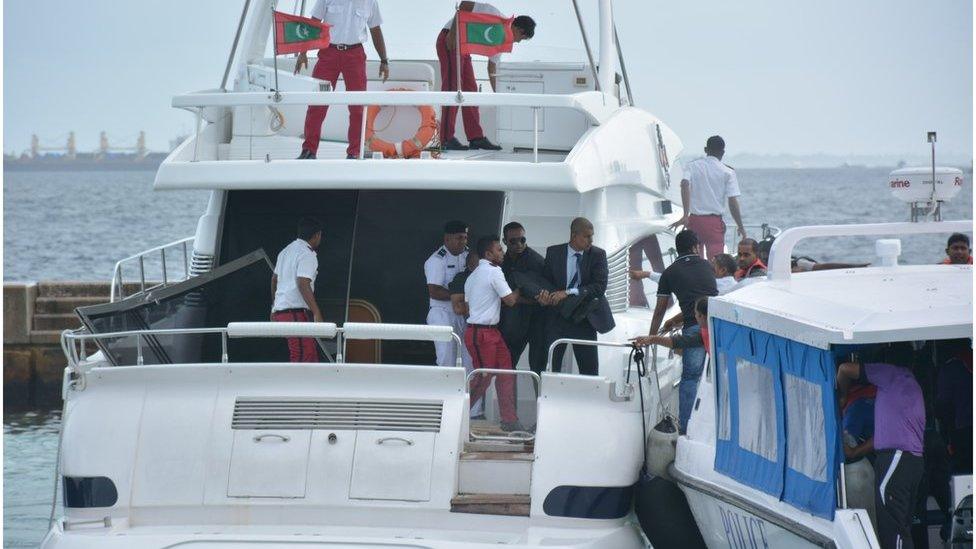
685 203
459 305
302 60
452 34
673 322
378 43
305 288
491 75
659 309
736 215
860 450
511 299
440 293
847 373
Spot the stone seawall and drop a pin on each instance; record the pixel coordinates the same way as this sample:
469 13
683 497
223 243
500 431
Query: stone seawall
34 315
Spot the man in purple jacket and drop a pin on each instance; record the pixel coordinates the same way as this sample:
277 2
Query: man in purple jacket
899 426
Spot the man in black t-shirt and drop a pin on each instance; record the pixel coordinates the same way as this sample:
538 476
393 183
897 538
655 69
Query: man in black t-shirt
689 278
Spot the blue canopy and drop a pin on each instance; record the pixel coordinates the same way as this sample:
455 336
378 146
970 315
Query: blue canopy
778 429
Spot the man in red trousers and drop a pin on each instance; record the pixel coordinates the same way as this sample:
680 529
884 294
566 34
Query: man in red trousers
523 28
349 20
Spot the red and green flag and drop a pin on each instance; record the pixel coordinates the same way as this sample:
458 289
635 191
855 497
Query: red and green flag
484 34
294 34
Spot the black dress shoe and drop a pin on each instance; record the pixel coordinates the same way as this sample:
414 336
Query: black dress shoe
483 144
306 155
352 157
453 144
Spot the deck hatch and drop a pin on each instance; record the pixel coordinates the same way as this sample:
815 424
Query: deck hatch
339 414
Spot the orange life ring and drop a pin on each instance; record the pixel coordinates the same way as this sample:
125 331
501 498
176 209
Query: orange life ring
408 148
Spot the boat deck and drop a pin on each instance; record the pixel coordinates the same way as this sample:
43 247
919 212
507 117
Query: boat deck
288 148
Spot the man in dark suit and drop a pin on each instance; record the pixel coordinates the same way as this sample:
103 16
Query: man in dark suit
578 307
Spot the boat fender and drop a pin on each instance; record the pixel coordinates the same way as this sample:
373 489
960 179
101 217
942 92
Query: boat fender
408 148
859 478
661 445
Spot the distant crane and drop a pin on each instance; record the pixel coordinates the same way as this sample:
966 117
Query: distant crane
69 149
104 148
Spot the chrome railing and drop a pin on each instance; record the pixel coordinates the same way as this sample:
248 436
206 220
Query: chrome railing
568 341
74 342
732 237
181 247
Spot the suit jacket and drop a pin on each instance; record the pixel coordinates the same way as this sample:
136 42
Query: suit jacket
593 281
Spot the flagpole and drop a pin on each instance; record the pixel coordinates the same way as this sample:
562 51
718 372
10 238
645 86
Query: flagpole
457 49
274 33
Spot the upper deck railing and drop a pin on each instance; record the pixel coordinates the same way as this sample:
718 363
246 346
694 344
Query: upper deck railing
168 270
596 107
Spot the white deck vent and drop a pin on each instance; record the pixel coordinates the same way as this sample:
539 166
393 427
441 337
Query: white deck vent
337 414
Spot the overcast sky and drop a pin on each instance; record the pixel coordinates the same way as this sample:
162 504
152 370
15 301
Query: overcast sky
834 76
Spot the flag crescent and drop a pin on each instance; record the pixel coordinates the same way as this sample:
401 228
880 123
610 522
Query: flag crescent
301 31
488 30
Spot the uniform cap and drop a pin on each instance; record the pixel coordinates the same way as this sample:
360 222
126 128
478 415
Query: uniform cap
454 227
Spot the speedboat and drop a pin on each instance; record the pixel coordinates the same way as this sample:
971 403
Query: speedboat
184 426
762 463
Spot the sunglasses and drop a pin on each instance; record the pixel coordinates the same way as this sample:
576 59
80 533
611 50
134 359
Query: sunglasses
514 241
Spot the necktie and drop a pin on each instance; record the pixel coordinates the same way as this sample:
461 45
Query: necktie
576 276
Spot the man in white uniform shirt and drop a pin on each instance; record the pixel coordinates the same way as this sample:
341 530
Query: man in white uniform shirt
292 287
523 28
440 269
709 185
349 20
485 291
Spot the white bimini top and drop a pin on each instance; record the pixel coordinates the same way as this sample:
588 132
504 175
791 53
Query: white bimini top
296 260
484 291
711 183
441 268
350 19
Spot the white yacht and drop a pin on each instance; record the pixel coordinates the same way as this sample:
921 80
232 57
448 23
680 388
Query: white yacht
184 427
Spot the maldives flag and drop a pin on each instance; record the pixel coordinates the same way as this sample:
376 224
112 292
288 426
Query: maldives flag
295 34
484 34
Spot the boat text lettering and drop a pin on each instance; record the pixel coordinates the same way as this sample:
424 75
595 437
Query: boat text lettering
743 532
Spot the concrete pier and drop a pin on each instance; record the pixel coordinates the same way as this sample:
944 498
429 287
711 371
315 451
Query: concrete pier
34 315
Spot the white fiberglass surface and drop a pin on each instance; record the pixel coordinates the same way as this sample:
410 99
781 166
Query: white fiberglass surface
806 452
757 409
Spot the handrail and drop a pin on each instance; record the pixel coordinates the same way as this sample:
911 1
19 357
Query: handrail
766 230
75 353
199 100
781 254
594 343
117 289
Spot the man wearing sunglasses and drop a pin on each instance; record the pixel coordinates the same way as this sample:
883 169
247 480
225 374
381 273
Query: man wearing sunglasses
524 324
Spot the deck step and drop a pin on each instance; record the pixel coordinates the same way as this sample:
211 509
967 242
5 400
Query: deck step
57 321
515 505
45 337
73 289
497 446
495 472
64 305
